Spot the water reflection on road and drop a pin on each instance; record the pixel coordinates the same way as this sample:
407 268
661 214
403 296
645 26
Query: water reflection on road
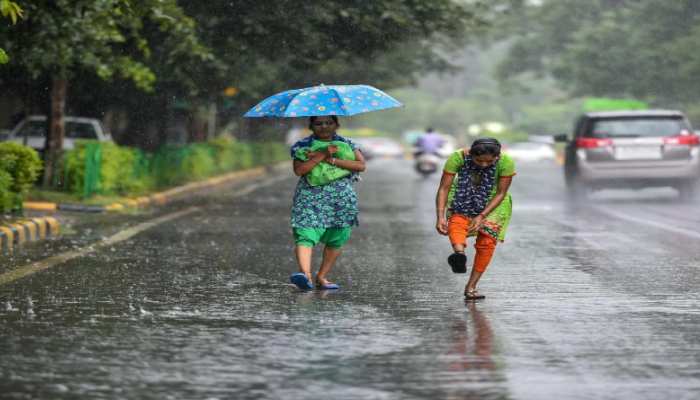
472 364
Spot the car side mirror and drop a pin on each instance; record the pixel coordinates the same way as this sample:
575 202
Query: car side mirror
561 138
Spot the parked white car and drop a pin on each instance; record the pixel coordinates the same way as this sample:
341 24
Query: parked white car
32 131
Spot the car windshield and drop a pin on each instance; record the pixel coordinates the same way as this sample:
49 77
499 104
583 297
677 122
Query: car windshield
74 130
636 127
80 130
33 129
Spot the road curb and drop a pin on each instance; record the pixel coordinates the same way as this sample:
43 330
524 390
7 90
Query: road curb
159 198
24 230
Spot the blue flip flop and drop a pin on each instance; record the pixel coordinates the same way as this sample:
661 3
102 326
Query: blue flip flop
328 286
301 281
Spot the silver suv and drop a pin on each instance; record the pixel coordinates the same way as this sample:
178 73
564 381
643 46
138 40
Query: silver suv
632 149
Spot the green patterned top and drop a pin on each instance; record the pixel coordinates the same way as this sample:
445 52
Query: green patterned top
497 221
333 205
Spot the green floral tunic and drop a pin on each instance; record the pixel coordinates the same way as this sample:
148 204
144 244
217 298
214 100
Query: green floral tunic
497 221
333 205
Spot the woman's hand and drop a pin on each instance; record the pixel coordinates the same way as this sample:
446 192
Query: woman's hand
441 226
356 165
323 155
317 155
441 202
476 223
313 158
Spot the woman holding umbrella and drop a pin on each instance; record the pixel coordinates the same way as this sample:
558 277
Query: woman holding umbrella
323 213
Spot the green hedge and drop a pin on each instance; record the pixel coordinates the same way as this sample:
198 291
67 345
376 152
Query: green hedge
127 171
116 170
19 169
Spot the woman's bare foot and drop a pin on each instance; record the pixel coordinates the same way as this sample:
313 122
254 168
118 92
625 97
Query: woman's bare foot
322 281
324 284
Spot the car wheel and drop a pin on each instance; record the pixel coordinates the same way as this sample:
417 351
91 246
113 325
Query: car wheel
688 190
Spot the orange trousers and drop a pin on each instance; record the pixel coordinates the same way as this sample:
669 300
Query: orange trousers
457 231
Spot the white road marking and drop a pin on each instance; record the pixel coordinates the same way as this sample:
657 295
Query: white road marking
49 262
659 225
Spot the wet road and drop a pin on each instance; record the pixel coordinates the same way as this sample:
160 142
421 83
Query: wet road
595 300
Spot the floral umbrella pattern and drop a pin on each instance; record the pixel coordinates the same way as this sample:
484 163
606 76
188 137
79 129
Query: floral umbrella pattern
322 100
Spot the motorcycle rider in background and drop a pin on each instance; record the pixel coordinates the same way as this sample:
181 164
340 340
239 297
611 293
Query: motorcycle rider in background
428 143
427 152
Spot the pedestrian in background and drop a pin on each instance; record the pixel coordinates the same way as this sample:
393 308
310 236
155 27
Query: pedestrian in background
473 194
322 213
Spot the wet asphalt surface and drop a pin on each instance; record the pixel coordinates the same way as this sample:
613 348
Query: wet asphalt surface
592 300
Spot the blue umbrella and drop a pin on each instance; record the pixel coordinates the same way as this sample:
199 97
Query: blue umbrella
324 100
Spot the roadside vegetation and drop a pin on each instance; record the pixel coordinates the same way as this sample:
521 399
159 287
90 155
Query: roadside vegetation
19 168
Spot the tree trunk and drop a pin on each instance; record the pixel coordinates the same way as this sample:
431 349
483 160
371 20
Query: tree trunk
211 120
244 128
54 141
162 119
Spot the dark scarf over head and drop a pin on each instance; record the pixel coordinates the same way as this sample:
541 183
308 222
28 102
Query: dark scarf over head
474 187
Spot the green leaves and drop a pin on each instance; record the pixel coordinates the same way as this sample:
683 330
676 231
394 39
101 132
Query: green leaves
10 9
110 37
19 168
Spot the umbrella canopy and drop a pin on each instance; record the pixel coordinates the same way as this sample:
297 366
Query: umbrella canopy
324 100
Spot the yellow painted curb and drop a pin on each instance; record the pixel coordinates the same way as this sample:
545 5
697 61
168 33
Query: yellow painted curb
131 203
21 234
163 197
31 228
28 230
54 227
159 198
40 223
40 206
9 238
114 207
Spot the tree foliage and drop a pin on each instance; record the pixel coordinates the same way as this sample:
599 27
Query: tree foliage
269 46
618 48
11 10
105 37
153 59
